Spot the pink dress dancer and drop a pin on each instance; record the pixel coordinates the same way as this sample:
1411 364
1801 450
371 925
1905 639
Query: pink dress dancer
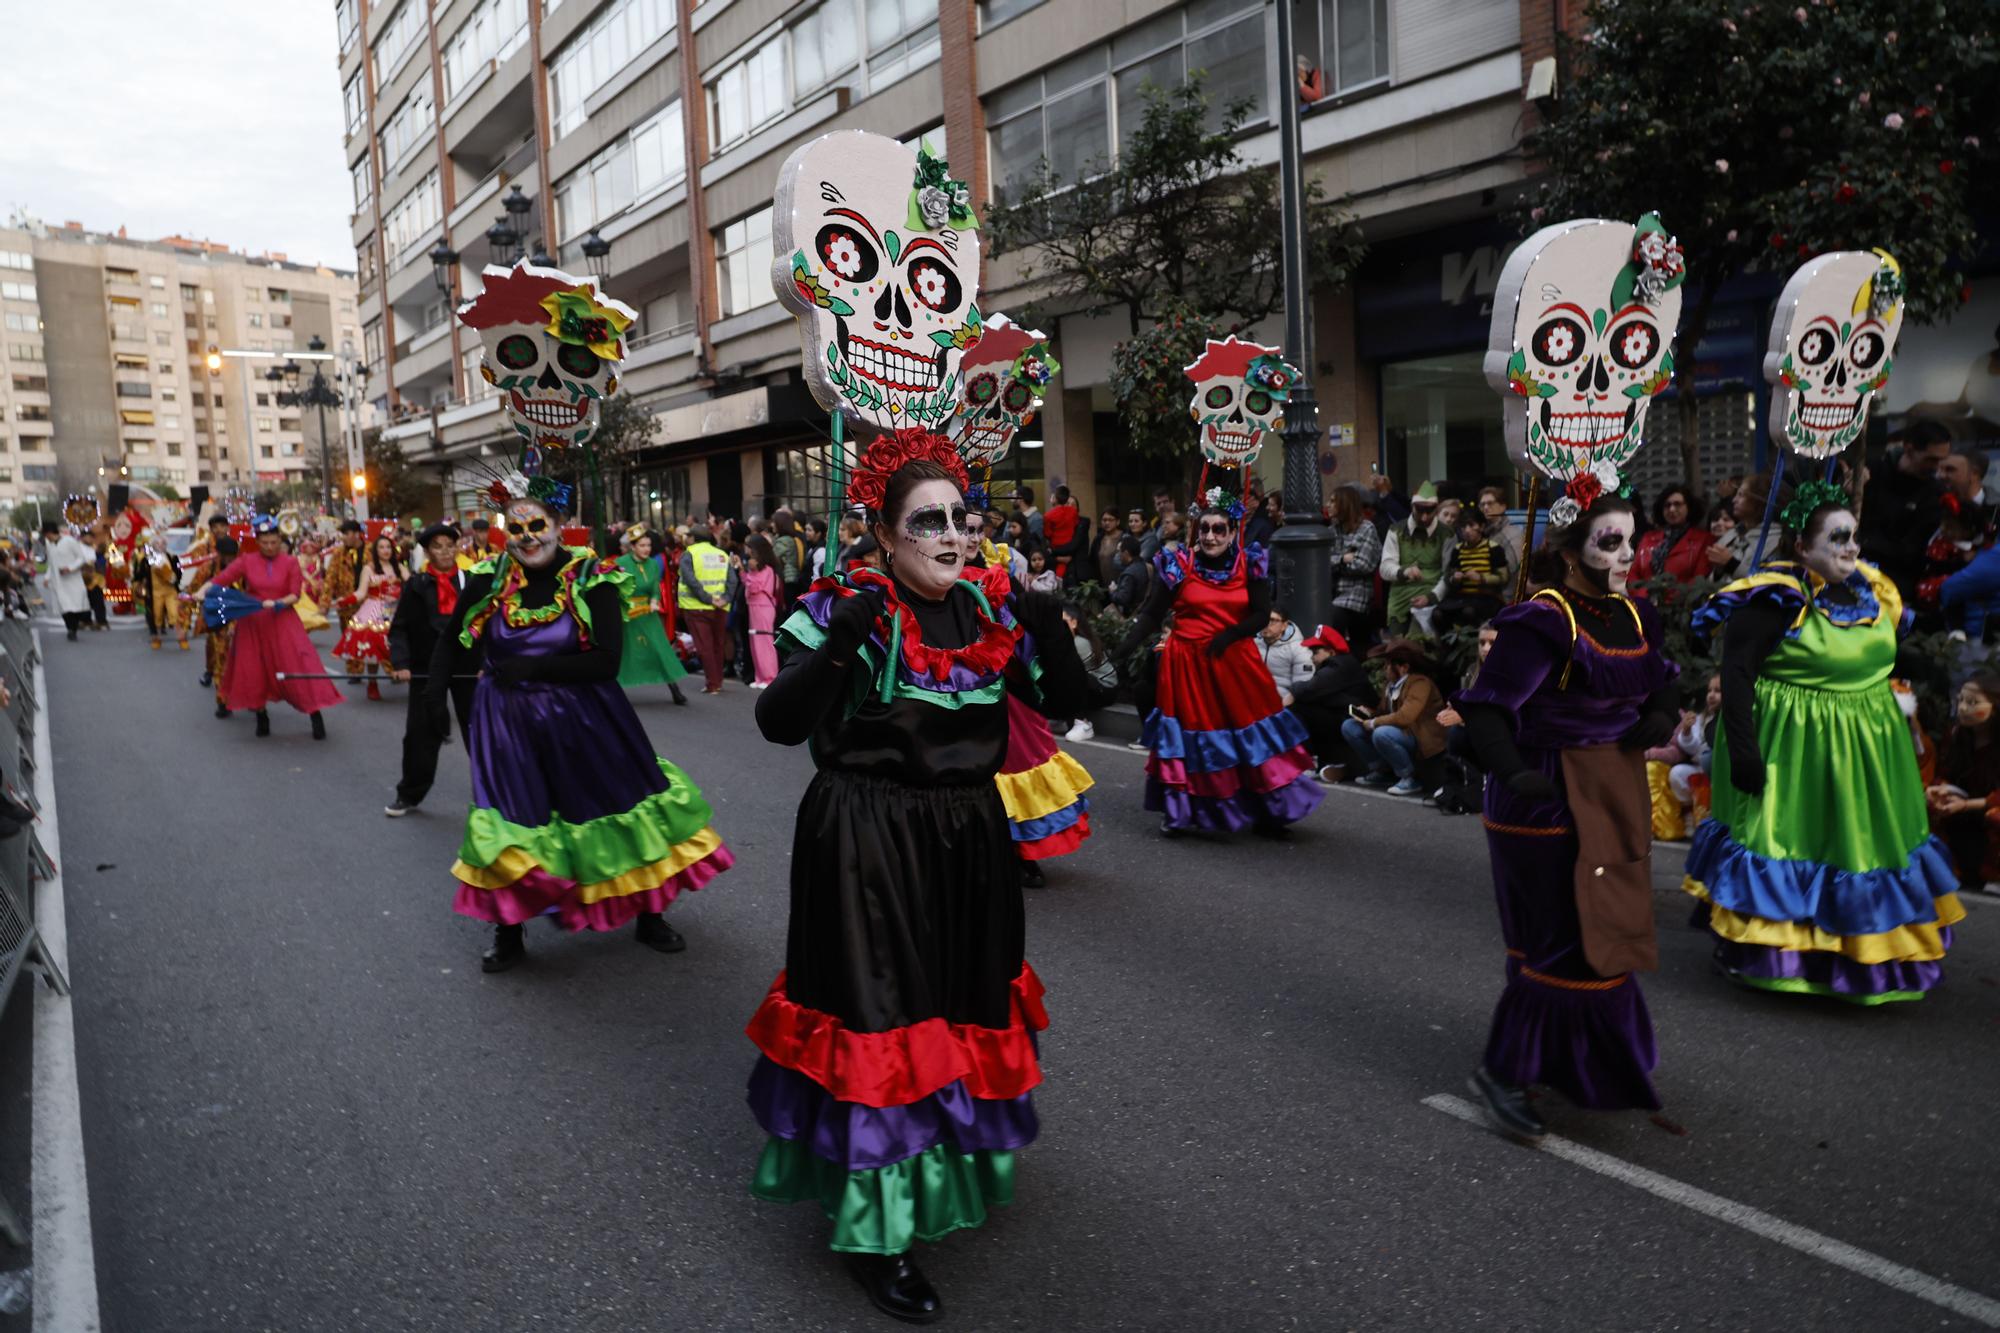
271 641
761 591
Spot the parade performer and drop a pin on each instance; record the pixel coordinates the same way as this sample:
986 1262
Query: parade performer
423 612
220 549
898 1049
68 558
340 575
272 640
1573 692
1817 858
649 656
365 641
159 586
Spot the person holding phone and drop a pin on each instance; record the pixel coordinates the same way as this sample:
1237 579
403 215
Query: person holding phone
1402 731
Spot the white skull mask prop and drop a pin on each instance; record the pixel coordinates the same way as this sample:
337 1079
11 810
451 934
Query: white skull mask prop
1583 322
1833 339
877 252
552 347
1240 391
1005 373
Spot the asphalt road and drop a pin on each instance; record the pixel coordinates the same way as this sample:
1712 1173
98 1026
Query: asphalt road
306 1108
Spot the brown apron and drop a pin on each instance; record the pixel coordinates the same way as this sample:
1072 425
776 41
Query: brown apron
1613 814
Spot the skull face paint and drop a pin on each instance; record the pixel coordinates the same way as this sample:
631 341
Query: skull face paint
887 297
1240 391
1608 550
1583 321
552 345
1005 372
1833 338
926 547
1213 533
534 535
1831 548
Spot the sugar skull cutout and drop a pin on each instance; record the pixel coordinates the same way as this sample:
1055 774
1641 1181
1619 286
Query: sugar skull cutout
1833 340
1005 374
552 347
1240 391
1581 341
877 252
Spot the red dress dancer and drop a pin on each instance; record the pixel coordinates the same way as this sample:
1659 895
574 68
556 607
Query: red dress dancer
273 640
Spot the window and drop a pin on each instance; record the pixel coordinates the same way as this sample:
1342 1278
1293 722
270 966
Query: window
995 12
15 259
289 448
155 280
207 296
133 416
278 295
824 47
164 367
748 95
173 448
743 263
37 471
163 337
20 323
902 38
346 305
494 32
169 395
371 341
25 351
397 38
1354 42
415 215
170 423
266 425
187 292
256 320
588 60
265 451
18 291
6 474
1061 117
158 309
130 275
347 19
31 384
30 412
128 389
364 185
651 157
352 101
263 400
405 127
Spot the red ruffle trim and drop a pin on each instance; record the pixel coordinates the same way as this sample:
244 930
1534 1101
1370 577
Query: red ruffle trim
1060 843
905 1065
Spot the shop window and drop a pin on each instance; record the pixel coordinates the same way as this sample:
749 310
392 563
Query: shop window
1439 422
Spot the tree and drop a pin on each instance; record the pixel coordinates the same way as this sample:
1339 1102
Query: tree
1182 235
1766 134
623 429
394 487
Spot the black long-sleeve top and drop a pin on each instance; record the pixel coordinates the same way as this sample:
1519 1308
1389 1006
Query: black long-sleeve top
596 663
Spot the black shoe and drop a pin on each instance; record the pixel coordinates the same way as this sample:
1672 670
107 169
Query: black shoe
897 1286
1507 1107
222 710
679 698
1273 830
1032 876
399 807
72 639
654 932
505 951
263 723
1167 828
207 680
319 727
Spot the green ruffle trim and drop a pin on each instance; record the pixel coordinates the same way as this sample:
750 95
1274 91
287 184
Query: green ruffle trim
801 632
597 849
1800 986
887 1209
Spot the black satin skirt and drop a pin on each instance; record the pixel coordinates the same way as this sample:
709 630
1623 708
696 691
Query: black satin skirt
906 903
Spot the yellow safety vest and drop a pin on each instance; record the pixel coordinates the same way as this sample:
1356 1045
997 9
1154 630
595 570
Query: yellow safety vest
711 571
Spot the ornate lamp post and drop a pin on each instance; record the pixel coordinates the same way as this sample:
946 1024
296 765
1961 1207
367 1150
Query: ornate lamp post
598 251
317 393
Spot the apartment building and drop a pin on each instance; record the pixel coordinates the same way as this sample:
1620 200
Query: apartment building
659 126
104 370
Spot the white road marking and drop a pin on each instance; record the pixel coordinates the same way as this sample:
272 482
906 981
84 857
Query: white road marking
65 1255
1981 1309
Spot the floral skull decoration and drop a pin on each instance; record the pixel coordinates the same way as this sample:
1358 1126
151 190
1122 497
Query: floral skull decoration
552 347
1583 323
1006 373
1833 339
1240 390
877 252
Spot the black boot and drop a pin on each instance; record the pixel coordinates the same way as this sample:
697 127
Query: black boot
319 727
263 723
897 1286
654 932
506 950
1032 876
222 710
1507 1107
679 698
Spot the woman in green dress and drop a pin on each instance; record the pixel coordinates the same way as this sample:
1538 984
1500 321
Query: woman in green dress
1817 862
649 657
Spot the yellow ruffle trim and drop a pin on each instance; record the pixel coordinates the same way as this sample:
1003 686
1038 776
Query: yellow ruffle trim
1905 944
513 863
1052 785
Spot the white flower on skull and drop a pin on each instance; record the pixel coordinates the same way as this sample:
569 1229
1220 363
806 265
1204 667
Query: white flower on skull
843 254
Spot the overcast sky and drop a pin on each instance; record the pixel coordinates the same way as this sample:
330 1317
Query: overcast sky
218 120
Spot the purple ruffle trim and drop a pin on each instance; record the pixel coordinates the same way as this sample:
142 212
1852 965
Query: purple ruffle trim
1595 1047
1233 814
1838 973
861 1138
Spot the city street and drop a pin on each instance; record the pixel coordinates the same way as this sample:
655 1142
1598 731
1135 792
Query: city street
305 1107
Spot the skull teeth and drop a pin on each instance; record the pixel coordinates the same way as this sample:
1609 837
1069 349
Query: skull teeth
1584 430
1821 414
553 413
894 368
1232 442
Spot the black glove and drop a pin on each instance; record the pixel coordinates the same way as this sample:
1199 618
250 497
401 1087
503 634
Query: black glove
1041 614
1531 785
1222 642
1746 771
850 623
1651 729
512 670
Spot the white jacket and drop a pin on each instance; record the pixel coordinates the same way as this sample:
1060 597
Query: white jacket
68 558
1288 660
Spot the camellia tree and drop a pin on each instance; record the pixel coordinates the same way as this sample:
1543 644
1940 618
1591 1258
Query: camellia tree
1182 235
1768 133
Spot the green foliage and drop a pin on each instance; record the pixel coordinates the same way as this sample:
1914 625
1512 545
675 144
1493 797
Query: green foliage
24 517
623 428
1146 378
394 487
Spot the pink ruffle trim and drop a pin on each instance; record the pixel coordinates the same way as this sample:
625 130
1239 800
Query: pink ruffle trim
538 892
1275 773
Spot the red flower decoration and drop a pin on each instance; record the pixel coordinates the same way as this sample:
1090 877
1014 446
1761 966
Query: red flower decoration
1845 194
890 452
1584 488
1945 167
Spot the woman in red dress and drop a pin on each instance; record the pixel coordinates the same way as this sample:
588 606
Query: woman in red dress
272 640
1226 753
367 637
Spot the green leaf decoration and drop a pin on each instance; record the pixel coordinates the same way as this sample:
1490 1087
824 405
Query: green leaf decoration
943 339
895 244
1597 318
1846 328
838 306
1517 363
1545 390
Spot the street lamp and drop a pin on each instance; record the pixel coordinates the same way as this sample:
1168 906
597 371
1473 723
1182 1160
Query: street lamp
502 238
541 258
444 263
598 251
318 394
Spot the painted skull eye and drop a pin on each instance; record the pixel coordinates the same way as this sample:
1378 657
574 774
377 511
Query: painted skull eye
1815 347
935 285
932 521
1258 403
847 252
1634 343
982 387
1219 397
1558 341
517 352
1017 398
578 360
1866 349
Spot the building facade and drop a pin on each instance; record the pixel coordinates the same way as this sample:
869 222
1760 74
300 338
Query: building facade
106 364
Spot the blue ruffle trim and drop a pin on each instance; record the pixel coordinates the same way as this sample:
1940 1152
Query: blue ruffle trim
1210 751
1033 830
1839 902
1711 615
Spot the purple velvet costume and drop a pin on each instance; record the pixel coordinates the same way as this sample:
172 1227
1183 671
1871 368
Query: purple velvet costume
1558 1022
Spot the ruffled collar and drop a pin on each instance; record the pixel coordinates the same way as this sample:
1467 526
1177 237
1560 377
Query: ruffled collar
1853 601
986 656
1221 572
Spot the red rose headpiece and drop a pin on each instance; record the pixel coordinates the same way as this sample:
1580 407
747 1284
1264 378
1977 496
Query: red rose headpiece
887 453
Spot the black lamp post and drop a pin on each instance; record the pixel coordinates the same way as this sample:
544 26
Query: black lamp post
317 393
598 251
541 257
444 263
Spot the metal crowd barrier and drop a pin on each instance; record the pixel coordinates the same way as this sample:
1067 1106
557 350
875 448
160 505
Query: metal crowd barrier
23 861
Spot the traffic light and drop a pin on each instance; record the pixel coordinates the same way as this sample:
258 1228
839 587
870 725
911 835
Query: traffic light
214 359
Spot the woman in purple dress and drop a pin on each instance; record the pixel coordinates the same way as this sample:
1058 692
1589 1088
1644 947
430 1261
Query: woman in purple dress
1574 691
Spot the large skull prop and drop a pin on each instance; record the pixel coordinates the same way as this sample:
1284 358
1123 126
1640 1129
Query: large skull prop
1833 339
1583 324
1240 391
552 347
1005 373
878 254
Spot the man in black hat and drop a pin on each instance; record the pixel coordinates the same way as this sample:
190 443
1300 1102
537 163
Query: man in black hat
422 614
